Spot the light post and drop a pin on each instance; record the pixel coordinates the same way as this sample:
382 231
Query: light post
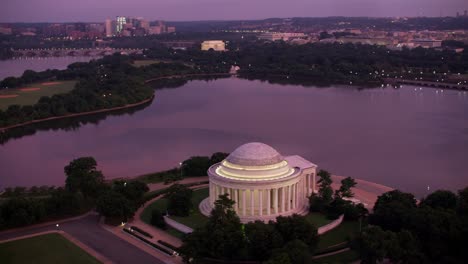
181 165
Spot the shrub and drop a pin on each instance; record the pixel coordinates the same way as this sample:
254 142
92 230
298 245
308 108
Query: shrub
157 219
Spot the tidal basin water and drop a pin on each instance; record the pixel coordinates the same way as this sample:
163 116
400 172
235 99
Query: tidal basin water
408 138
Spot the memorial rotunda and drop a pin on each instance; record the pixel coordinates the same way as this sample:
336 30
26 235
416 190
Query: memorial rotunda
262 183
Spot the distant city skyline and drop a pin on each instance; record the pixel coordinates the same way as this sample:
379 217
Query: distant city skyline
191 10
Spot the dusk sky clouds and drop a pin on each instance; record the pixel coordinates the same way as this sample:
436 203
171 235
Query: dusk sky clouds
185 10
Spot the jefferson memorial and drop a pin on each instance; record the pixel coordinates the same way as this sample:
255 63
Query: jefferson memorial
262 183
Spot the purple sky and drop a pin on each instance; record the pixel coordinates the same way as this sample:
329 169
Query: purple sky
183 10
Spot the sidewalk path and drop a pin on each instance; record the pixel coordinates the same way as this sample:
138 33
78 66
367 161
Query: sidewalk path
88 231
161 185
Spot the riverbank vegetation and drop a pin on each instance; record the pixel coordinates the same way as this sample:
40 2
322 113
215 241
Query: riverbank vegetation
101 84
192 167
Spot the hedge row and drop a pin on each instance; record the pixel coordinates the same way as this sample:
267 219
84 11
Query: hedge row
164 243
141 231
170 253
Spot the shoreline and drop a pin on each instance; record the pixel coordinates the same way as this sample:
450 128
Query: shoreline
4 129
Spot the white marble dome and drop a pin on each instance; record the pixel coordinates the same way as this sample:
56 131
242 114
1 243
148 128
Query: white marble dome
254 162
254 154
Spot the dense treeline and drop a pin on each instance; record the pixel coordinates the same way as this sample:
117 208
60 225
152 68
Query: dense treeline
435 230
322 63
84 189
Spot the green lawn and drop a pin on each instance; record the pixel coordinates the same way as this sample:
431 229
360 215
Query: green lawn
343 257
195 219
317 219
141 63
158 177
32 97
49 248
339 234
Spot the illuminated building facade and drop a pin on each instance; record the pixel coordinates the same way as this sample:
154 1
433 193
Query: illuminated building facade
120 23
262 183
216 45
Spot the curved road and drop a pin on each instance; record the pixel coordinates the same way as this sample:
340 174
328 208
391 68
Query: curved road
88 231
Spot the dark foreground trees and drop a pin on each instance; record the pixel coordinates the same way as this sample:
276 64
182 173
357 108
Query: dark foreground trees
433 231
334 204
84 189
224 237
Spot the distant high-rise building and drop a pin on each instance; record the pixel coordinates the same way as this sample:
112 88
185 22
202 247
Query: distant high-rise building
466 13
121 21
458 14
170 29
145 25
108 28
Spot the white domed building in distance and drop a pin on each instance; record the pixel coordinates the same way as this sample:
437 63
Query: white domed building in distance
262 183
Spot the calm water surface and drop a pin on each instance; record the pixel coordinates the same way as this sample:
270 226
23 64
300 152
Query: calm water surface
403 138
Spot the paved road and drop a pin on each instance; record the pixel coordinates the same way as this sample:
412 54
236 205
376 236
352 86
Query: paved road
89 232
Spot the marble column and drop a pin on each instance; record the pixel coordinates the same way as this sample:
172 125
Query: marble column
252 201
275 200
294 196
283 200
243 203
260 196
236 199
268 201
288 207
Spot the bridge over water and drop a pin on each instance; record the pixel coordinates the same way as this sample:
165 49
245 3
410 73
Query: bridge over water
443 85
80 52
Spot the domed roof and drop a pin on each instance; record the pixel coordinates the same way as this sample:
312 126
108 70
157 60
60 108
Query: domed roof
254 154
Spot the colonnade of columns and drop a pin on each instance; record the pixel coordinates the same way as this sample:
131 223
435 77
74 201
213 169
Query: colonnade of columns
260 201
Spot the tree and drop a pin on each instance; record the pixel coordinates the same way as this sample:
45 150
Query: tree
462 203
325 191
195 166
83 176
157 219
297 227
115 206
179 200
440 232
262 238
298 251
345 188
318 202
372 244
222 237
279 257
441 199
353 212
392 210
134 191
218 157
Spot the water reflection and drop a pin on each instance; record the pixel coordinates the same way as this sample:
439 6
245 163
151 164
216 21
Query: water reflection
398 137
